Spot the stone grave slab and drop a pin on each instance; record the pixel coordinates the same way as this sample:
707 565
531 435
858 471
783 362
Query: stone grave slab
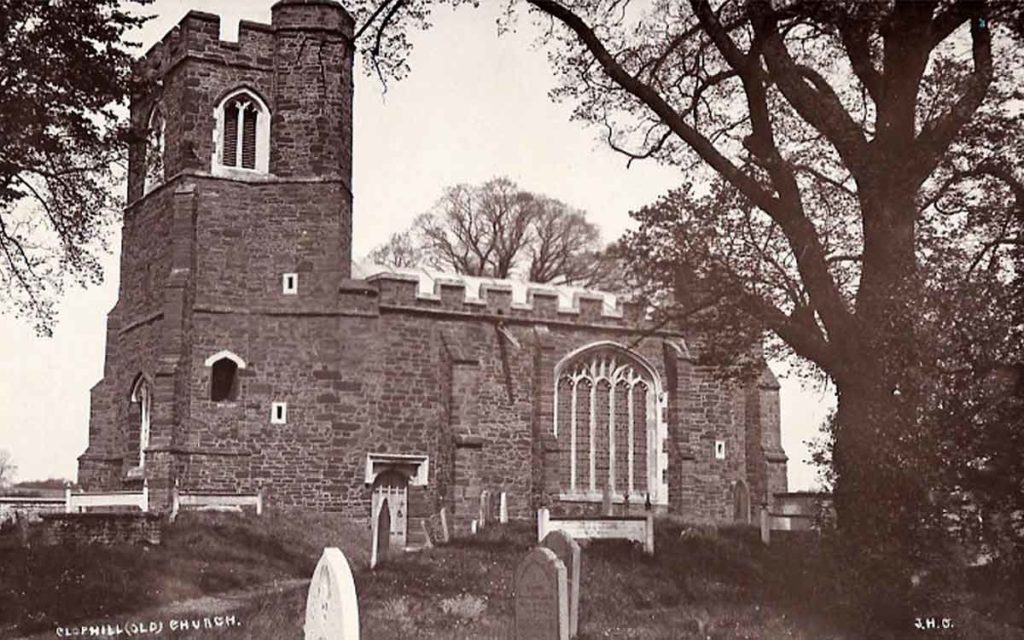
381 535
541 597
568 551
332 610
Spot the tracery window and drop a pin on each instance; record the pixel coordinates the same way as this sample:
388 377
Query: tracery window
606 414
154 154
243 132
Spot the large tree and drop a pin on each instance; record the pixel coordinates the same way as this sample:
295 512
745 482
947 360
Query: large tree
64 69
498 230
857 165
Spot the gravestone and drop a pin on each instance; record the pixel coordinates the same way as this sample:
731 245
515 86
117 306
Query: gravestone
332 610
381 535
568 551
445 535
503 509
482 511
541 597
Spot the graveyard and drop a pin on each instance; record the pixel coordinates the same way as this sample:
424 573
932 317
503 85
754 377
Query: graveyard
702 582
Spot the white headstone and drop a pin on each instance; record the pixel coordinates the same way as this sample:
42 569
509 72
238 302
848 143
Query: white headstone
503 509
332 611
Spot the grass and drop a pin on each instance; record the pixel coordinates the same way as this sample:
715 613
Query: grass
703 583
201 554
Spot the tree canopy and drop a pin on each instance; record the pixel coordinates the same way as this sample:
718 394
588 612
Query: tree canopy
498 230
64 70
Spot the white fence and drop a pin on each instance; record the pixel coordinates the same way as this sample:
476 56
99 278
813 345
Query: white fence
78 502
637 529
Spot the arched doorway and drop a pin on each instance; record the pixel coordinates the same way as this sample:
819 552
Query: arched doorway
741 502
391 491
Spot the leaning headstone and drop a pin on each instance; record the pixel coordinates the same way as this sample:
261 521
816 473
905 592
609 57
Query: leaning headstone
381 535
332 610
568 551
766 532
542 602
445 535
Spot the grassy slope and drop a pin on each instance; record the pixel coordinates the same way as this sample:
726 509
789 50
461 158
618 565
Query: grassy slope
201 554
700 585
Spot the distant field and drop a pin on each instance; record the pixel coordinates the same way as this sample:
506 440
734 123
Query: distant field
704 584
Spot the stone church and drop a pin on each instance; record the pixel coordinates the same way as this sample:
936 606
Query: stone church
242 355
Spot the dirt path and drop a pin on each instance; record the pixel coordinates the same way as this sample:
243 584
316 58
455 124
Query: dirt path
207 610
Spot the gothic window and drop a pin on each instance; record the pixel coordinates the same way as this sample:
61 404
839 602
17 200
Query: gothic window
606 416
224 378
154 153
142 396
243 133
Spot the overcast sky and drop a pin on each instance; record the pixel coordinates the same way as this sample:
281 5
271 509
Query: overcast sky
474 107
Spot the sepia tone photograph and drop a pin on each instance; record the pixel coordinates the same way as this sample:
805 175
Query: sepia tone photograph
512 319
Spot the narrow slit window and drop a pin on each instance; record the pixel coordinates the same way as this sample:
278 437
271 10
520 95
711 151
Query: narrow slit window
279 413
720 449
290 283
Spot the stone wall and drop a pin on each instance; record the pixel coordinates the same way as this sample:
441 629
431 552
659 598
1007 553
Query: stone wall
99 528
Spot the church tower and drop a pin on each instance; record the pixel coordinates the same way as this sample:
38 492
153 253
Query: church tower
235 240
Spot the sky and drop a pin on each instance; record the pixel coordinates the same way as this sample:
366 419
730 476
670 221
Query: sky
475 107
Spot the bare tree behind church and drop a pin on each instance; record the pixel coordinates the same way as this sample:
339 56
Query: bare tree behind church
498 230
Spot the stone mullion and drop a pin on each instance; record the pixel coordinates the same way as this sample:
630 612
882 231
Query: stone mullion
629 409
593 432
240 128
611 435
572 436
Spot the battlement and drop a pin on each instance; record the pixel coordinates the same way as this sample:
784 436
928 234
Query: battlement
199 35
511 298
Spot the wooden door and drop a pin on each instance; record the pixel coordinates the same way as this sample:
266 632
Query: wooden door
391 491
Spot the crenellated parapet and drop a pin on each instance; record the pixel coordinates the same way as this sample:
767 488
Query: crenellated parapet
527 302
198 35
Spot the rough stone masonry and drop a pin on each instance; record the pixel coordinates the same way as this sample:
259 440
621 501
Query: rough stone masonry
242 355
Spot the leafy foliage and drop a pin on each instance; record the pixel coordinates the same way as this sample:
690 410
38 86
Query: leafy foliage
64 70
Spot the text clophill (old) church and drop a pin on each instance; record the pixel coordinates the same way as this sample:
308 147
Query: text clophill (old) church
242 356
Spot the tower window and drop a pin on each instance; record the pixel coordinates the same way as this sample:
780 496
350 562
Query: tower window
154 153
720 449
242 133
224 377
142 395
279 413
224 380
290 283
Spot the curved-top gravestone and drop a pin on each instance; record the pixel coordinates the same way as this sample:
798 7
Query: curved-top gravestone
542 608
332 611
568 551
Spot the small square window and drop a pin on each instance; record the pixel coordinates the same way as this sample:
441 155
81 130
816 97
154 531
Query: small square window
279 413
290 283
720 449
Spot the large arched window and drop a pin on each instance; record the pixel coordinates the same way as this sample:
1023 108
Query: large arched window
155 146
606 418
242 133
142 396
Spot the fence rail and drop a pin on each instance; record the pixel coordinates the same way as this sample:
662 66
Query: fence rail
77 502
